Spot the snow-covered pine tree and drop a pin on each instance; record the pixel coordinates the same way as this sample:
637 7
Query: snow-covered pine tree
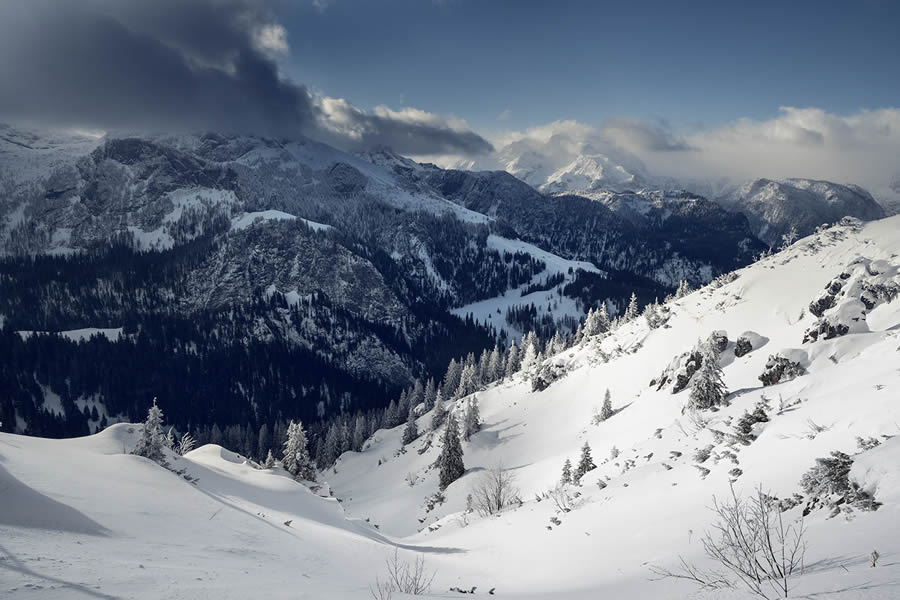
346 436
359 433
512 360
296 453
263 443
417 395
153 440
450 461
402 407
590 324
529 352
270 460
566 472
585 464
467 383
606 410
390 415
495 365
332 446
439 415
632 311
451 378
683 290
603 324
429 394
707 388
472 422
410 432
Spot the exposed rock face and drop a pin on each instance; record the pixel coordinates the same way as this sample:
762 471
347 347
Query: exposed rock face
780 369
842 307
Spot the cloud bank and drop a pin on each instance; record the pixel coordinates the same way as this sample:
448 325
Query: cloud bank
176 65
861 148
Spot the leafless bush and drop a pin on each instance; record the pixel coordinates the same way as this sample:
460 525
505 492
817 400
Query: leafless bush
754 545
403 577
562 497
495 491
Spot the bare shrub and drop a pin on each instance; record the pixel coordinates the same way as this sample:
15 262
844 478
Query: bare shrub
403 577
753 544
562 497
495 491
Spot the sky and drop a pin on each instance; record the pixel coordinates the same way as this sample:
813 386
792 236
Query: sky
685 89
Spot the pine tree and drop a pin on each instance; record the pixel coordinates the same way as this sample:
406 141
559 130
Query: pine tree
332 446
467 383
566 472
410 432
603 324
512 360
153 440
296 453
439 415
429 394
529 351
451 379
390 415
359 433
606 410
263 444
707 388
450 461
585 464
472 422
632 311
270 460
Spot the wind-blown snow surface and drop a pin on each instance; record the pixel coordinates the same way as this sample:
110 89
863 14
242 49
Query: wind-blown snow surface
80 518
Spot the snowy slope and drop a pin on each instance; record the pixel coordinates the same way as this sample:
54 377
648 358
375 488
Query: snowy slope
654 505
80 518
492 311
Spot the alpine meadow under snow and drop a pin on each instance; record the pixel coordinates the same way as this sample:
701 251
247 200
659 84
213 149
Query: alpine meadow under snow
806 343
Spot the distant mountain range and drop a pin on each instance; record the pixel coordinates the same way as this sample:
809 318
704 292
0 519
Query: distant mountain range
348 276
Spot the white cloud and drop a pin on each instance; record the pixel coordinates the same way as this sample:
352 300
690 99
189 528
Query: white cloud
861 148
271 39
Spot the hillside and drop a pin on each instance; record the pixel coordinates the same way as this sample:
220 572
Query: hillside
122 526
653 506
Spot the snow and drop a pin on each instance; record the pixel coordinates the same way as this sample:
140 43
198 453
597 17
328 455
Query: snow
492 311
83 517
248 219
655 510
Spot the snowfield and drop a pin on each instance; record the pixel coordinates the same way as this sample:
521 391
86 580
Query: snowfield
82 518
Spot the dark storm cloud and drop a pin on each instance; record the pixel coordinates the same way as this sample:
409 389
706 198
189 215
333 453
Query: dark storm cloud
164 64
174 65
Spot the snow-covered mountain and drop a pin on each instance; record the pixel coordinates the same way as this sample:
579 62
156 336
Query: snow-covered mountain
357 262
806 340
774 207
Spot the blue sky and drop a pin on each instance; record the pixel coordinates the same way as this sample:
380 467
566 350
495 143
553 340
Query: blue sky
694 64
